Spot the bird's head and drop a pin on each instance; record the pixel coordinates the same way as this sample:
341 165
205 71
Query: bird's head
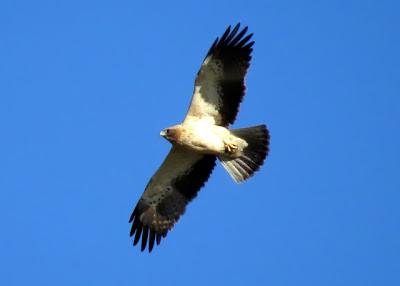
172 134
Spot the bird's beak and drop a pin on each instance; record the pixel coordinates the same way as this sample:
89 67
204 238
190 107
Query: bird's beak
163 133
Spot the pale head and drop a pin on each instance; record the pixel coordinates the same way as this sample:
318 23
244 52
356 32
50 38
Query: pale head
172 133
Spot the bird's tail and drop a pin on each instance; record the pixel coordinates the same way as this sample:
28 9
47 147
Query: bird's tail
251 158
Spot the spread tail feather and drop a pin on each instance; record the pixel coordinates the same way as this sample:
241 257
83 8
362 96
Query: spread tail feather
252 156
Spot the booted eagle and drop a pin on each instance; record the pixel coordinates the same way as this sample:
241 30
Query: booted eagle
201 138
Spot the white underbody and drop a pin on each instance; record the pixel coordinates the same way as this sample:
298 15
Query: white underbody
204 137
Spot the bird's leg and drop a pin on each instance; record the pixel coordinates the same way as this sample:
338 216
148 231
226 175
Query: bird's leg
230 147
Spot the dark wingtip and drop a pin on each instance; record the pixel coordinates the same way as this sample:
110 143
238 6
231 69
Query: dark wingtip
158 238
236 28
239 37
152 238
225 35
144 238
135 224
233 33
132 216
231 37
249 45
138 234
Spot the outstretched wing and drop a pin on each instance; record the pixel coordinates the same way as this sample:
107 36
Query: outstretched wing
219 85
164 200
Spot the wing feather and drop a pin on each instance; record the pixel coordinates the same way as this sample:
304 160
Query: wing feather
164 200
151 240
219 85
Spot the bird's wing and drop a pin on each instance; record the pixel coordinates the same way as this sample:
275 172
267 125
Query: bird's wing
171 188
219 85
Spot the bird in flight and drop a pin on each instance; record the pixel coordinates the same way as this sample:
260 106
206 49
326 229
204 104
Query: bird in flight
201 138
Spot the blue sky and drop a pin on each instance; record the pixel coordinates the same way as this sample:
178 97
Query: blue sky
86 86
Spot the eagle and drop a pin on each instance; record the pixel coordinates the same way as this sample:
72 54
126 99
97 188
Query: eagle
201 139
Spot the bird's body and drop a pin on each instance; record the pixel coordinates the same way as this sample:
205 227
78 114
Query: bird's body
202 138
206 138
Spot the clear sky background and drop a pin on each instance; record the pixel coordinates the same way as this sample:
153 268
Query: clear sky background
86 86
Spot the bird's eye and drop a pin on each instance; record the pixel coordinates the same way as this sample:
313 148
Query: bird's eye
167 131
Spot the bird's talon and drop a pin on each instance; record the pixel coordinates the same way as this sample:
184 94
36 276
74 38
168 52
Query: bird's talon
230 147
